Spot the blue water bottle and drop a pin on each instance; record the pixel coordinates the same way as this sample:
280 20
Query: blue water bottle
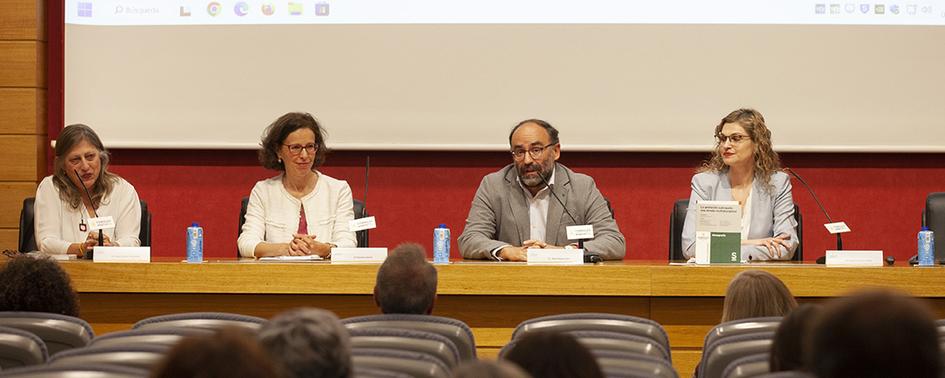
441 244
194 243
926 247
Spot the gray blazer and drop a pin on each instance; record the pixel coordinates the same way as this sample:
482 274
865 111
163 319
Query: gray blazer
499 215
772 212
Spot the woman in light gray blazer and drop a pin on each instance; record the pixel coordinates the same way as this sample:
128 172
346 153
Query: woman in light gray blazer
745 168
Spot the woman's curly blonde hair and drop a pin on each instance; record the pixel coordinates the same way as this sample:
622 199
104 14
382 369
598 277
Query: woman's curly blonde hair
767 161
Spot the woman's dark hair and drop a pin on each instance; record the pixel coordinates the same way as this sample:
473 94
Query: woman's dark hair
71 136
230 352
276 133
787 351
38 285
553 354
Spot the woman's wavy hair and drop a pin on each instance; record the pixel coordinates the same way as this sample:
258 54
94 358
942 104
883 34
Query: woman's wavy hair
70 137
767 161
276 133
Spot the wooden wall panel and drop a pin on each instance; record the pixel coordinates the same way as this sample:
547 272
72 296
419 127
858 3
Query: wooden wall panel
22 111
22 64
21 157
22 20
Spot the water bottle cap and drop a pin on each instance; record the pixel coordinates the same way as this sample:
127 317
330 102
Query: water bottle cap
194 224
442 225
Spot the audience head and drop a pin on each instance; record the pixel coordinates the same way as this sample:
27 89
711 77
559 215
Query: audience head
37 284
308 342
553 354
79 149
791 338
230 352
751 144
489 369
756 293
406 282
535 149
875 333
307 137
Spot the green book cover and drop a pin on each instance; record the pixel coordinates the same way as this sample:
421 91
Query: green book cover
725 247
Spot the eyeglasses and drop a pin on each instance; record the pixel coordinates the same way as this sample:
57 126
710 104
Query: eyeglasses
296 149
534 152
734 138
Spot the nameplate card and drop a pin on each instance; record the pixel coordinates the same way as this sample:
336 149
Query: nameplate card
358 255
555 256
359 224
837 227
122 254
101 223
855 258
582 232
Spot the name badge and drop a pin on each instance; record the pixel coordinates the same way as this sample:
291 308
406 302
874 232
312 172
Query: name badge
555 256
358 255
837 227
580 232
100 223
359 224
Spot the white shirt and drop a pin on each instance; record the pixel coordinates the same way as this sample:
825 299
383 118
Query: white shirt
273 214
57 223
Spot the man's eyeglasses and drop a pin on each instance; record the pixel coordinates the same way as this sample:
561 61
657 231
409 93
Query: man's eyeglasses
535 152
296 149
734 138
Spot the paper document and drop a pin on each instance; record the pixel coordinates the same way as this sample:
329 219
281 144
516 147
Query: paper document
292 258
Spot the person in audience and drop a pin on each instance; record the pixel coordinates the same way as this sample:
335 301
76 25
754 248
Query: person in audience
875 333
308 342
513 209
228 353
787 351
38 285
63 208
406 282
489 369
301 211
553 354
745 168
756 293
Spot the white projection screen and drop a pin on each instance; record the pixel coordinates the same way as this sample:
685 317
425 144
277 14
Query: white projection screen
456 75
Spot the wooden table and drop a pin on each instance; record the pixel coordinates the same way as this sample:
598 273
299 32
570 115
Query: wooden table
491 297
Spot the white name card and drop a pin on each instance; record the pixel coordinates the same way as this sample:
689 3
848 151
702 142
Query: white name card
555 256
582 232
358 255
101 223
359 224
121 254
837 227
855 258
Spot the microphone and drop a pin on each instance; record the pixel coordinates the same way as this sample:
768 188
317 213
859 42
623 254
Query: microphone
822 259
88 194
589 257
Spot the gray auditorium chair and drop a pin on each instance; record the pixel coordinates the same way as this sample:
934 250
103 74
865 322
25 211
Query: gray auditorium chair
157 336
144 357
407 340
627 324
76 371
454 330
741 327
202 320
616 364
20 348
59 332
748 366
412 363
718 355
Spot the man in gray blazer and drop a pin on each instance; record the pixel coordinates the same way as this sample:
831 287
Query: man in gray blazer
514 209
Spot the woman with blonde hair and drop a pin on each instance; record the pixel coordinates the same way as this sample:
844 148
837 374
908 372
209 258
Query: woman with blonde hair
745 168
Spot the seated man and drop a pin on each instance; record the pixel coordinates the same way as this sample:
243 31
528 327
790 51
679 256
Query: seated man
406 282
513 210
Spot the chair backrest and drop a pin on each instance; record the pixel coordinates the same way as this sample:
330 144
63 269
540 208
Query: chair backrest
934 217
156 336
144 357
27 236
202 320
412 363
77 370
723 351
454 330
624 364
360 211
20 348
748 366
741 327
626 324
409 340
677 220
59 332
